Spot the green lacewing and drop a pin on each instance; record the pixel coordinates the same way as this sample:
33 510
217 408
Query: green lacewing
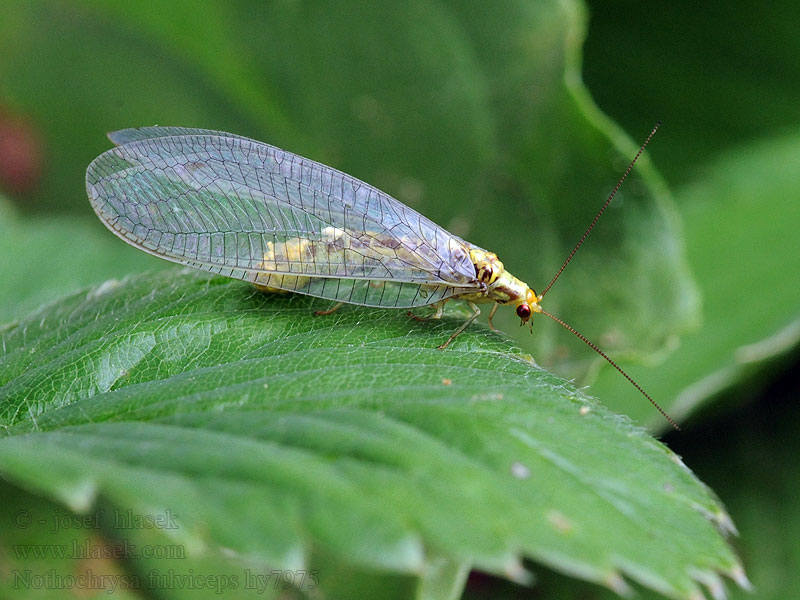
231 205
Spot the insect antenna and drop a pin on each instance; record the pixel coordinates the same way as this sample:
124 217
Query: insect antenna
613 364
586 233
602 209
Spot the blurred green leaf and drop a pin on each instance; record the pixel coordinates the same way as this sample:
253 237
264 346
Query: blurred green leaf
43 545
75 74
280 436
741 228
729 138
473 114
752 466
42 259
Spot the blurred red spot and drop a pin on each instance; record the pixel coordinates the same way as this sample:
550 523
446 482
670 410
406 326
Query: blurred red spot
20 155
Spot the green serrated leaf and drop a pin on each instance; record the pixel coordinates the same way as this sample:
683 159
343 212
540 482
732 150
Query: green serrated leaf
279 436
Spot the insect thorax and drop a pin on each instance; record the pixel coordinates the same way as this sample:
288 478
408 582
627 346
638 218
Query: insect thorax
501 286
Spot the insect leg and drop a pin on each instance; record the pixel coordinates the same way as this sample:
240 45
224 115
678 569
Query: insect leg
491 314
464 325
332 309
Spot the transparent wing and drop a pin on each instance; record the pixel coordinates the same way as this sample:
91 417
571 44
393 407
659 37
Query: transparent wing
231 205
135 134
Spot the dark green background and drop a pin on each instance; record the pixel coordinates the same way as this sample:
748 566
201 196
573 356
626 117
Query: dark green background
724 80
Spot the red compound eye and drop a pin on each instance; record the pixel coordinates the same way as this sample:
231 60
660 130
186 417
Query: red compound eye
524 312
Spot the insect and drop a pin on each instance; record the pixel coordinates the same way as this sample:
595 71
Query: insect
238 207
